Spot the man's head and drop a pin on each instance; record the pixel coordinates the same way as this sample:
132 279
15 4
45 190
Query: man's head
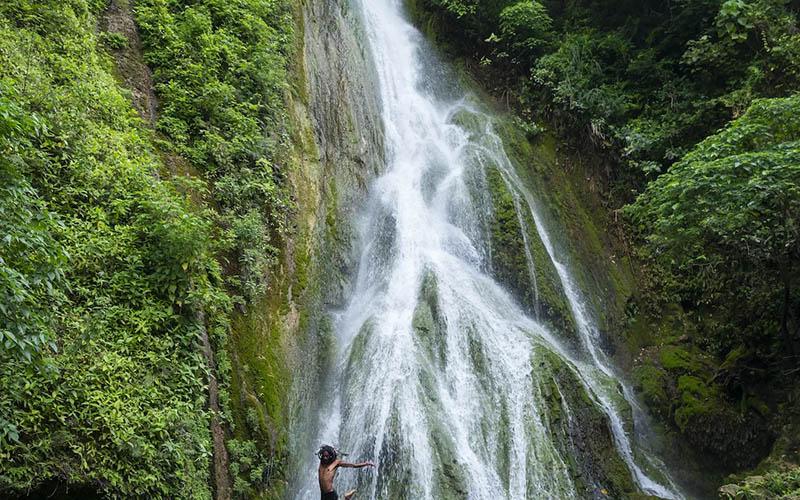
327 454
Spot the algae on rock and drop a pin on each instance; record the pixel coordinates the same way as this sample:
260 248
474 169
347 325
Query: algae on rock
583 431
428 323
539 289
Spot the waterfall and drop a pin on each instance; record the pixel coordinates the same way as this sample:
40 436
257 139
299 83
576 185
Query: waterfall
441 377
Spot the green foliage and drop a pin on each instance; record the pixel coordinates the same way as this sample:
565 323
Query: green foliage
250 468
220 73
580 75
526 27
114 267
775 485
725 219
31 260
114 41
458 7
723 224
648 81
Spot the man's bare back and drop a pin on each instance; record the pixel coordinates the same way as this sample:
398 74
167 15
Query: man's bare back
328 466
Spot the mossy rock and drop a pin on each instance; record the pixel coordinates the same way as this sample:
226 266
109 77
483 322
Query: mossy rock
678 385
450 477
546 300
682 360
428 323
471 122
395 478
450 481
538 290
585 439
651 382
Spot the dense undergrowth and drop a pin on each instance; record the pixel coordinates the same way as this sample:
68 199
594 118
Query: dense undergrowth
220 73
690 113
116 256
115 397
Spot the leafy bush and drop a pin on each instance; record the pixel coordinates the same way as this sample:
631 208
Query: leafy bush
250 467
458 7
114 41
526 27
726 220
648 82
583 75
31 260
778 485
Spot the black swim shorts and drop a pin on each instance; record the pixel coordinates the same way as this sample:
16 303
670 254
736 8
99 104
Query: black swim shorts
331 495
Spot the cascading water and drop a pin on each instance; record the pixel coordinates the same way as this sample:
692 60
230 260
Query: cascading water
450 386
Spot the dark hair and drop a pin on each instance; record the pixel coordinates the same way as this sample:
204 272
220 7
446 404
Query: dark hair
327 454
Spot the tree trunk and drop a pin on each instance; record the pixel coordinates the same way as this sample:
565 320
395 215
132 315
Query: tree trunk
220 474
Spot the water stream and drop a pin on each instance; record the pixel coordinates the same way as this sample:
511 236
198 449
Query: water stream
441 377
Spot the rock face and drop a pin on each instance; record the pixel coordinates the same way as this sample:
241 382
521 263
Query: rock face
430 330
536 286
677 382
584 435
338 137
428 323
347 130
518 258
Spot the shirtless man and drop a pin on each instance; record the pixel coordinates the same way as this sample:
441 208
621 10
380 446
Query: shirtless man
328 465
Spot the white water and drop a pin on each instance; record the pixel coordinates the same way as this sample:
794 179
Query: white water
459 410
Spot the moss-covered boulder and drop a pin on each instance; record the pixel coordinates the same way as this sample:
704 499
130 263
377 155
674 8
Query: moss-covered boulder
395 478
681 384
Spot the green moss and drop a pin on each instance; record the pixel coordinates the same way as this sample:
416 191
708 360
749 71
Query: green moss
451 477
480 365
697 401
427 321
359 347
510 264
450 481
651 381
577 220
504 444
679 359
260 374
470 121
669 326
395 479
585 440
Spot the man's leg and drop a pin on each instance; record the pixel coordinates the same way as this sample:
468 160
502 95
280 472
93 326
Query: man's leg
349 494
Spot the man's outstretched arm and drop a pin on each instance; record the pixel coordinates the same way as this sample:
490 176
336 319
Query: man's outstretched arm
348 465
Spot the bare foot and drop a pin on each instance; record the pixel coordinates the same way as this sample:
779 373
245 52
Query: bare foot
349 494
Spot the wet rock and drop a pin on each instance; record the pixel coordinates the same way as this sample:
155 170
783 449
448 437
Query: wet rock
428 323
539 289
584 434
